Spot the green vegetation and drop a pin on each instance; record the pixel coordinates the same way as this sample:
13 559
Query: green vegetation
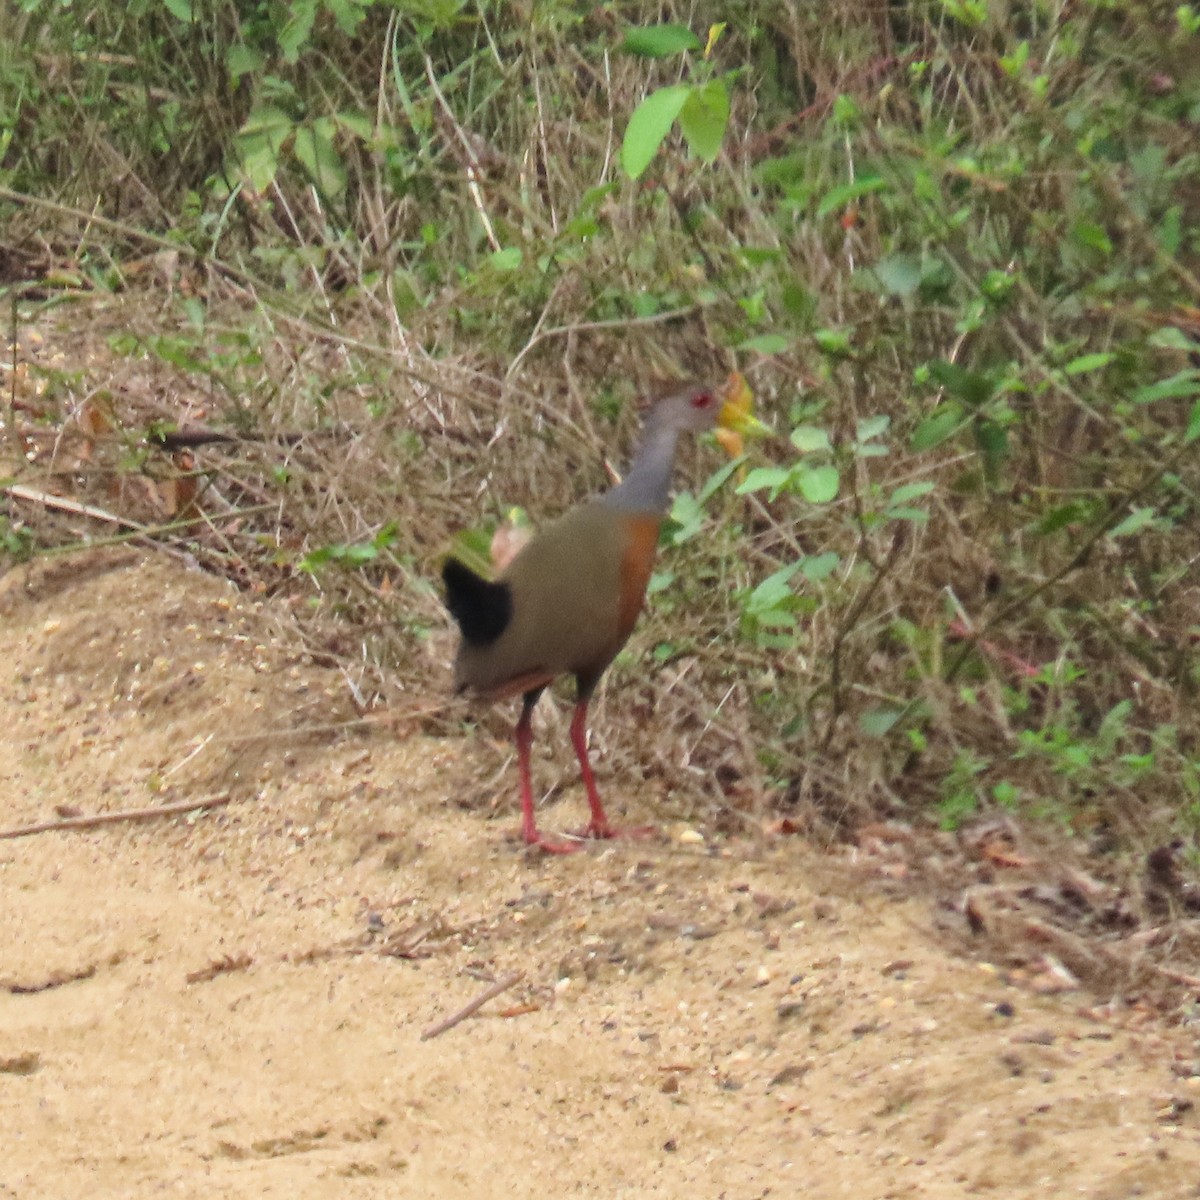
421 256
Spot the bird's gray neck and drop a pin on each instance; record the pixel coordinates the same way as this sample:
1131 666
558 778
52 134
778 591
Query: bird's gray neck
647 485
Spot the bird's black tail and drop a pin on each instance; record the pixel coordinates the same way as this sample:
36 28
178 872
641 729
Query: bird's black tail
483 609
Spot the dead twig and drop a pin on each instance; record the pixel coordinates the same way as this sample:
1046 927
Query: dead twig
64 503
111 818
468 1010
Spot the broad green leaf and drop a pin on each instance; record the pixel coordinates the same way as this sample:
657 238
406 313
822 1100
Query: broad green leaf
1088 362
1170 338
242 60
810 438
818 485
659 41
506 260
1062 516
764 478
973 387
1091 235
872 427
878 722
842 195
846 114
819 566
909 492
1177 387
688 514
297 29
649 126
943 423
834 342
348 15
992 440
314 148
899 275
356 123
772 593
1138 519
259 142
1193 426
181 10
703 119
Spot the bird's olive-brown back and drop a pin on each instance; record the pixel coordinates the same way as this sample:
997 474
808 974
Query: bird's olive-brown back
573 600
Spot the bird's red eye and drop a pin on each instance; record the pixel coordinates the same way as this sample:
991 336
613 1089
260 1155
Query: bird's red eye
702 400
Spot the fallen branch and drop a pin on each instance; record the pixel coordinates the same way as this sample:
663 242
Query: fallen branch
467 1010
111 818
65 504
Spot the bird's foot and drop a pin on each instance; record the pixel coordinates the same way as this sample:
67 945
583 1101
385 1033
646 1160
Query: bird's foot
546 845
604 831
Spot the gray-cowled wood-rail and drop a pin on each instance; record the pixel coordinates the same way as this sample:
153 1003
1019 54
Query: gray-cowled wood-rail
569 599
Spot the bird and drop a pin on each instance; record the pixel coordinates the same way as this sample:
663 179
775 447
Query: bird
568 600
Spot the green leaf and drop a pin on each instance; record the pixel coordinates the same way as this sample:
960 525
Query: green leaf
1193 426
703 119
314 148
507 260
810 438
297 29
943 423
818 485
649 126
258 144
181 10
842 195
773 593
688 514
356 123
899 275
659 41
763 478
973 387
819 566
878 722
992 440
834 342
1088 362
718 479
242 60
846 113
872 427
348 14
1062 516
908 492
766 343
1091 235
1138 519
1178 387
1169 338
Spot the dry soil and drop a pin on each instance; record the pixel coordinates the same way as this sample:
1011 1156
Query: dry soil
230 1003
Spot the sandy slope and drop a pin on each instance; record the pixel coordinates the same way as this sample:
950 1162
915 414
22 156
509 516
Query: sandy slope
693 1021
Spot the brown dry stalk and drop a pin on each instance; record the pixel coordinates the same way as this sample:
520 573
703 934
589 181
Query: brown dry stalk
475 1005
111 818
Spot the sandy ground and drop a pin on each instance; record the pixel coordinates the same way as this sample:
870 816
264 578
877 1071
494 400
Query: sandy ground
231 1003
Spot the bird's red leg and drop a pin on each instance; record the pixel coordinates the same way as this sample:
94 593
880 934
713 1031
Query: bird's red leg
524 741
598 826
